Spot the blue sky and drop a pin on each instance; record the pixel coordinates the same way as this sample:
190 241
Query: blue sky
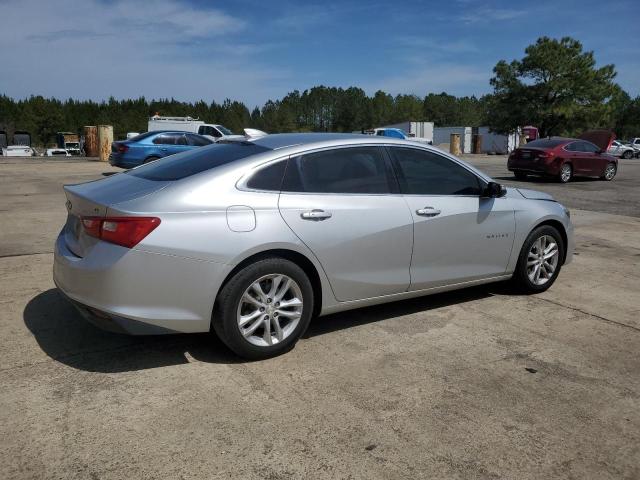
253 50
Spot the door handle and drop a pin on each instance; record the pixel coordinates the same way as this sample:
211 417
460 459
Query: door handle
428 212
315 214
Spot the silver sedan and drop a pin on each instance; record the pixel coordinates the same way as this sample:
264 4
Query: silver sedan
252 239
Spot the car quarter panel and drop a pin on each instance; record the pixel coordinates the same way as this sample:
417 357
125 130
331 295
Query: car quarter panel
196 225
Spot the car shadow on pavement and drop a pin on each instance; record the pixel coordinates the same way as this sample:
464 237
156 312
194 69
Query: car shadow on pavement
377 313
65 336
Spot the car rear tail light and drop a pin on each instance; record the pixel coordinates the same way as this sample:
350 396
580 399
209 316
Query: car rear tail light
124 231
122 148
545 155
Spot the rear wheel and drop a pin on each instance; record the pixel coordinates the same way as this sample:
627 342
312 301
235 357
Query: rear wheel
627 154
520 175
609 172
151 159
264 308
566 172
540 260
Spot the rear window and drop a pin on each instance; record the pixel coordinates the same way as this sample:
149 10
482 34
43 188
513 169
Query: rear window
546 143
142 136
182 165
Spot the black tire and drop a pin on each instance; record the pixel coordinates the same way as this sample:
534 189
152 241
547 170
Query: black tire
628 154
520 175
562 176
521 277
150 159
225 322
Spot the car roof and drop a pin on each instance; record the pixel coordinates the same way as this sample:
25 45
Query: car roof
282 140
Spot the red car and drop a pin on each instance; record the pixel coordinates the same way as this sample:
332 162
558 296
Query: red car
564 158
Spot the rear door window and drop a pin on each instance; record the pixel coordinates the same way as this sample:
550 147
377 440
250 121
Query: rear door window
361 170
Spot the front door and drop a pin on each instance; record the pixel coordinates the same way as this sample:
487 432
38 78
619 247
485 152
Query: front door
459 236
344 205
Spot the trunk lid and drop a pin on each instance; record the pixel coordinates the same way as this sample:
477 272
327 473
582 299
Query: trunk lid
600 138
92 199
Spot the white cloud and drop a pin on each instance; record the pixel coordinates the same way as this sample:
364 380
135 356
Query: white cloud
488 15
162 48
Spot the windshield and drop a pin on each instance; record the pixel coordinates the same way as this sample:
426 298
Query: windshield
182 165
224 130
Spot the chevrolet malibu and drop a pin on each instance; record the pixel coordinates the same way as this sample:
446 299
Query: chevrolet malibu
252 239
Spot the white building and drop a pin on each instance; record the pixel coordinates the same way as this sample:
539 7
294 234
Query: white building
491 142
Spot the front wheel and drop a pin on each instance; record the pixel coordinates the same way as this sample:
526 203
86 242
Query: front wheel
609 172
264 308
540 260
628 154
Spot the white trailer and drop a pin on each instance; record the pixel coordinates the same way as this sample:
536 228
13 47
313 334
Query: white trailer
181 124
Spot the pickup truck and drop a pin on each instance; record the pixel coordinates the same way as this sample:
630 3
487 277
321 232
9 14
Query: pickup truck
399 133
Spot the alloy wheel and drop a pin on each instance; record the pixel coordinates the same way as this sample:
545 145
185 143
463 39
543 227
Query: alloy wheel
610 171
542 260
270 310
565 173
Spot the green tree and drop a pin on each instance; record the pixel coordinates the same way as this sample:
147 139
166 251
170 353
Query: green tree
556 87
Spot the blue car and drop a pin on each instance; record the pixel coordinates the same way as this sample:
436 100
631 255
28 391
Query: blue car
151 146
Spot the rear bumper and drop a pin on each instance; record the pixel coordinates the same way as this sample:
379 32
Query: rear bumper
137 292
117 161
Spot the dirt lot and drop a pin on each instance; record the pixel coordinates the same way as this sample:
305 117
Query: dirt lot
472 384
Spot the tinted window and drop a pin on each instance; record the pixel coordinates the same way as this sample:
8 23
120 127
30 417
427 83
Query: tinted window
588 147
268 178
197 140
181 140
572 147
195 161
166 139
206 130
546 142
142 136
344 170
427 173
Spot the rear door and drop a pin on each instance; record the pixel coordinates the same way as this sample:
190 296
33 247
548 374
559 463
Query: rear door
459 236
343 203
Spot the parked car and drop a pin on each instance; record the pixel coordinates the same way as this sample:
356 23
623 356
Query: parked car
563 158
635 144
618 149
214 132
151 146
399 133
252 239
57 152
18 151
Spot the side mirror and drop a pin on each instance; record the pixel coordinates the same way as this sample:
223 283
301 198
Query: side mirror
494 190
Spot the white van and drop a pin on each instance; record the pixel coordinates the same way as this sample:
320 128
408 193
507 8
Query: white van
188 124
